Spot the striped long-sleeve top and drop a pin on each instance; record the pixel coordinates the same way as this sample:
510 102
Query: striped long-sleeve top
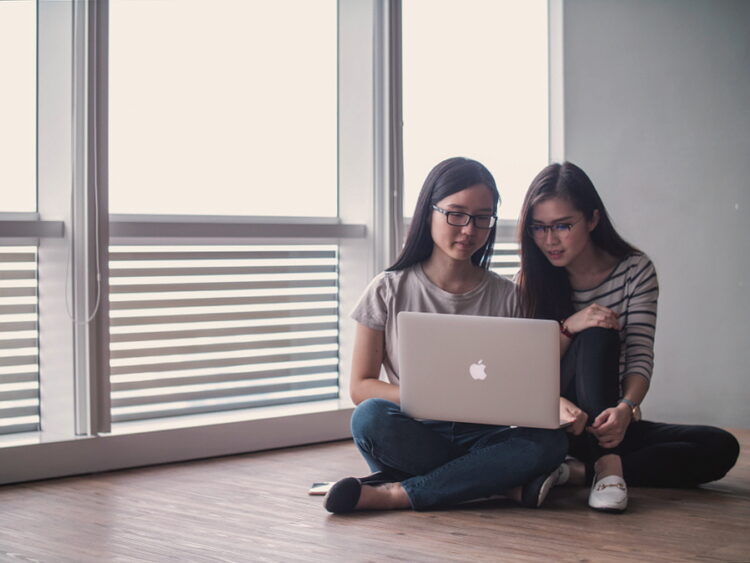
632 291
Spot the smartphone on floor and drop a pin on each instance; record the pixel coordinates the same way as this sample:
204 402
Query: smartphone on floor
319 488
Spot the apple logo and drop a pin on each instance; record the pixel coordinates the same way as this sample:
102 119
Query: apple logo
477 370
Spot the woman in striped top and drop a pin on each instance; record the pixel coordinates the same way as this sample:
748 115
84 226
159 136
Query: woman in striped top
577 270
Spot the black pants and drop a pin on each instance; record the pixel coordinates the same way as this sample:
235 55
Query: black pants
654 454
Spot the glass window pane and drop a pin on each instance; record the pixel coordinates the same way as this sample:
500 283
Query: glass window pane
224 108
475 85
18 106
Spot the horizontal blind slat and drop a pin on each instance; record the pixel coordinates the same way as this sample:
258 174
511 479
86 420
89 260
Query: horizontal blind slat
505 260
186 379
16 257
120 256
17 326
29 309
17 343
219 286
120 415
10 411
219 271
18 292
221 362
19 377
177 395
221 347
215 317
10 427
18 360
19 395
117 338
18 274
218 301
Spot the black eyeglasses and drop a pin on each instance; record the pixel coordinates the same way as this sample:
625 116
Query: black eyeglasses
457 219
539 231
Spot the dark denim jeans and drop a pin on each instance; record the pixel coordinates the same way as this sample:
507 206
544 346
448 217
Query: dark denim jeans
444 463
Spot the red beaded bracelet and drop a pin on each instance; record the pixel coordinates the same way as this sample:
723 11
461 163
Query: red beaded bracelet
564 329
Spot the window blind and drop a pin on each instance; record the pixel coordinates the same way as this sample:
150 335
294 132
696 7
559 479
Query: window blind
19 351
505 259
213 328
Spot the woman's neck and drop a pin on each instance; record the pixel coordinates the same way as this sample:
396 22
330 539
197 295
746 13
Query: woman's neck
590 268
451 275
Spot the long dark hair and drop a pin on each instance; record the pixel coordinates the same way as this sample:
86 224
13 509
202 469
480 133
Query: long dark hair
546 288
446 178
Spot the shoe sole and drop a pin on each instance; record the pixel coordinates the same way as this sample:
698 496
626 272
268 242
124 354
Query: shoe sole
546 487
608 510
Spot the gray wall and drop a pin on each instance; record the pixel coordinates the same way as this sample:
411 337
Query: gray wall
657 111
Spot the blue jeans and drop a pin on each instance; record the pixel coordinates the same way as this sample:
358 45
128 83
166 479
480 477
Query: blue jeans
442 463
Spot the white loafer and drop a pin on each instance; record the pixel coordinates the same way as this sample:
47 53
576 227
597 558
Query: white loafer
609 494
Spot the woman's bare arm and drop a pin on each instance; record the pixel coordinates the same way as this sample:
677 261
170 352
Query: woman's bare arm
369 350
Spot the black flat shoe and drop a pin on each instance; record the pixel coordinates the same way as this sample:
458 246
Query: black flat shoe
535 491
343 495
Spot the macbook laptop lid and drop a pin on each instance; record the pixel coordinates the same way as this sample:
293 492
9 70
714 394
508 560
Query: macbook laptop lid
489 370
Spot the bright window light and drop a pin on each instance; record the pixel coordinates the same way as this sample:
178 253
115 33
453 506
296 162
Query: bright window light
223 108
18 106
475 85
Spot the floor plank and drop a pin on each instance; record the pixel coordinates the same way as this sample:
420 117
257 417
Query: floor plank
254 507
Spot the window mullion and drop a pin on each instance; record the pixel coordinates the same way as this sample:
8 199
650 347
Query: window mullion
54 174
90 219
388 153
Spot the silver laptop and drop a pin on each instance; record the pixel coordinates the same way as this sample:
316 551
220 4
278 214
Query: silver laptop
489 370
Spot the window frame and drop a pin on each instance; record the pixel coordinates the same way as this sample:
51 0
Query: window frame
77 436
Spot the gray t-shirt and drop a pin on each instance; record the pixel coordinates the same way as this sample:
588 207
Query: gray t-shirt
389 293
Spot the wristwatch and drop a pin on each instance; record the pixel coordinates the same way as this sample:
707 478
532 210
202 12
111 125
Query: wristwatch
635 410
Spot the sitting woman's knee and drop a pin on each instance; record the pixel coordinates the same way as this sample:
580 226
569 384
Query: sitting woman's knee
370 413
600 336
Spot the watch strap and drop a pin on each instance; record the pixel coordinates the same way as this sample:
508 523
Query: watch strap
635 410
628 402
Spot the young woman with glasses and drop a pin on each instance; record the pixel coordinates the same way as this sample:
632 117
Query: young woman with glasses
443 268
577 270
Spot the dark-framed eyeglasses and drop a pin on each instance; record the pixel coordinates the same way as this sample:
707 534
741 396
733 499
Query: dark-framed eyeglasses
561 230
458 219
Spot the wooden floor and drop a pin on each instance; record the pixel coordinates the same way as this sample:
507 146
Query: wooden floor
255 508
